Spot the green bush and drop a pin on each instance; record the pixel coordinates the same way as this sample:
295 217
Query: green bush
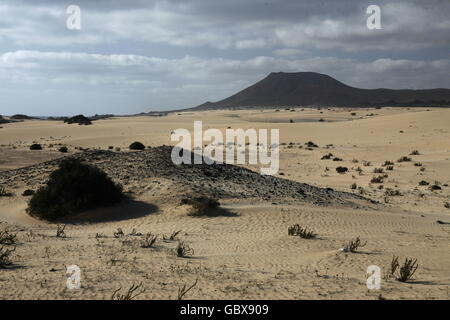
35 146
137 146
74 187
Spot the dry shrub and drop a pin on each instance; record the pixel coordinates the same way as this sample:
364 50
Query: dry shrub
353 245
183 250
7 238
201 205
5 256
183 290
131 294
404 272
297 230
149 240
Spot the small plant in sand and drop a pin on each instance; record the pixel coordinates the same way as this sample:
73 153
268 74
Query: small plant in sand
149 241
405 272
379 179
119 233
182 291
173 236
367 163
297 230
389 168
201 205
137 146
392 192
7 238
63 150
341 170
5 256
60 233
414 153
35 146
133 292
447 205
328 156
387 163
3 192
134 233
353 245
354 186
99 235
311 144
378 170
183 250
404 159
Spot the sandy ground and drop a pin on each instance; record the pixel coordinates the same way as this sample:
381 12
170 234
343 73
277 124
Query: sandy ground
247 254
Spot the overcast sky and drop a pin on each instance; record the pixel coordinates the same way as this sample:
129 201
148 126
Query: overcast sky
136 56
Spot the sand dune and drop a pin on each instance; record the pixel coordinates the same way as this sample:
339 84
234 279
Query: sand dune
246 253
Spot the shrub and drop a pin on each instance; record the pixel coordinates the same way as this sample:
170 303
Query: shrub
379 179
354 186
404 159
149 240
28 193
392 192
341 169
7 238
137 146
72 188
183 290
414 153
367 163
390 168
447 205
3 192
297 230
327 156
311 144
80 119
131 294
5 256
387 163
406 271
337 159
119 233
174 235
35 146
183 250
60 233
201 204
353 245
378 170
63 149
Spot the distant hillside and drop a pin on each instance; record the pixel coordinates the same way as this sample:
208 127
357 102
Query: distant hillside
315 89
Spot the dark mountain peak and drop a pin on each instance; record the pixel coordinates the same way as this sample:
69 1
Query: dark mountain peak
316 89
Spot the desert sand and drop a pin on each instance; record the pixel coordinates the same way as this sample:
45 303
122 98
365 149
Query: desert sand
244 251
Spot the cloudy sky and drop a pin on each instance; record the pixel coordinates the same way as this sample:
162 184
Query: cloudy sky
136 56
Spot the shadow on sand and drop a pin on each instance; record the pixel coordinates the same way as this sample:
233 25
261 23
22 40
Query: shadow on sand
216 212
129 209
